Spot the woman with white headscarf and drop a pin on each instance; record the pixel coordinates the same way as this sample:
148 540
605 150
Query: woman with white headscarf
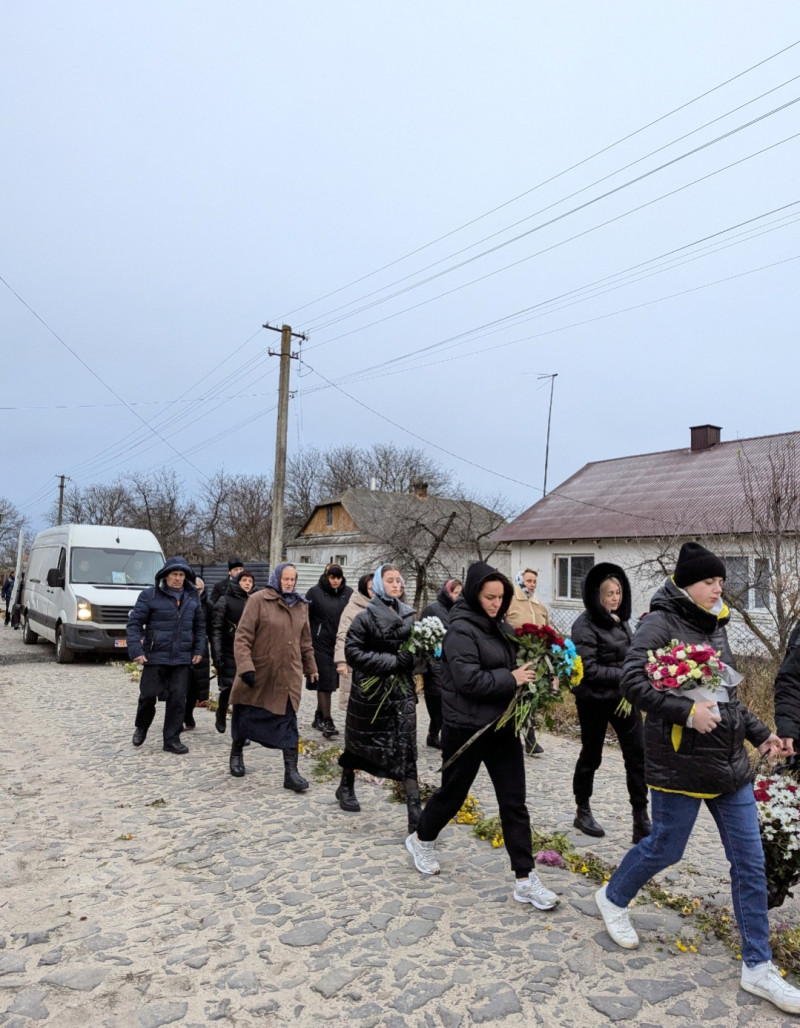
381 725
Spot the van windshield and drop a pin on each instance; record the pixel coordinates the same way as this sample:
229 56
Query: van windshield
95 566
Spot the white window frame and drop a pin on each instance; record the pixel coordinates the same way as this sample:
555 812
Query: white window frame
569 557
754 592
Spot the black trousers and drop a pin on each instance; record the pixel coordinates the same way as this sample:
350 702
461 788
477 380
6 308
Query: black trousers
595 716
170 684
501 753
432 691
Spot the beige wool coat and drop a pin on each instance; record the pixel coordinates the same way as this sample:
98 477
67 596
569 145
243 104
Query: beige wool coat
355 605
274 641
524 611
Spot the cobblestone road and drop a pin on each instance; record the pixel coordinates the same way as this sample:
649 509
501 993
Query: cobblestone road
235 902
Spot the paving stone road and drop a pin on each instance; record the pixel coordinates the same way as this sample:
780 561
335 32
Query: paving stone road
236 902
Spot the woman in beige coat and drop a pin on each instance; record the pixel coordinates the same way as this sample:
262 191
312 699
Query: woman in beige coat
273 650
525 609
357 602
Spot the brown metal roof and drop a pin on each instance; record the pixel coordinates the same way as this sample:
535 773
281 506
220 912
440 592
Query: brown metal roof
675 492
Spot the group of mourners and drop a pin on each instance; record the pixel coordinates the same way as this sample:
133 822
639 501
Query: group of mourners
685 753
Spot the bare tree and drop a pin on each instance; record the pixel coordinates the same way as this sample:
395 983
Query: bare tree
248 508
158 502
11 521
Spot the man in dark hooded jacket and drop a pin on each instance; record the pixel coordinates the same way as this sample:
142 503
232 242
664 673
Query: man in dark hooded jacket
166 636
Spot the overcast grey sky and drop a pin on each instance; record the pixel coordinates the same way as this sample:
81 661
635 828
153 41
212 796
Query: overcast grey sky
390 178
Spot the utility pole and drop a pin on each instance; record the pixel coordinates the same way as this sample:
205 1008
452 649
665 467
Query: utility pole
549 417
279 475
61 498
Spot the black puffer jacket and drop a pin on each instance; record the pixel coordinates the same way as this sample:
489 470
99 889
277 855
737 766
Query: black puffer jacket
602 640
479 655
682 759
324 614
787 690
167 630
440 608
387 740
225 617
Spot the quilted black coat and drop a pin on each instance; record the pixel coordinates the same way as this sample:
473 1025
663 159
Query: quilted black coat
324 614
225 617
383 739
165 630
679 758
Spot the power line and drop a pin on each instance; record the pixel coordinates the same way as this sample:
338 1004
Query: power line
545 182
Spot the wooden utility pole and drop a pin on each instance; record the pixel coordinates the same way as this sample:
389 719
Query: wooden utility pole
279 474
549 417
61 498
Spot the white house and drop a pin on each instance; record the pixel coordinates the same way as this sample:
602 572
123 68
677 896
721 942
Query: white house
636 511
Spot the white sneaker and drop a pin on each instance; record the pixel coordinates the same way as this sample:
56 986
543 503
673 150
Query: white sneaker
424 858
766 981
531 890
618 923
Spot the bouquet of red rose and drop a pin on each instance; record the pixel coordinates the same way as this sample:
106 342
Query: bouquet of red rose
689 668
556 666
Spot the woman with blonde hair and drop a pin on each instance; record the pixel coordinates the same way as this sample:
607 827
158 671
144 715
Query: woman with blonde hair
602 638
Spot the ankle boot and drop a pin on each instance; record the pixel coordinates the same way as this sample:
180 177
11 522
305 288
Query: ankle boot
585 822
220 720
641 825
414 808
346 793
292 779
317 723
237 760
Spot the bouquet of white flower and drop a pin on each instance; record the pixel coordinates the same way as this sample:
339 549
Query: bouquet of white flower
424 642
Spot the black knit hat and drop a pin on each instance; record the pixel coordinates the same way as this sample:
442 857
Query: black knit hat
695 563
234 562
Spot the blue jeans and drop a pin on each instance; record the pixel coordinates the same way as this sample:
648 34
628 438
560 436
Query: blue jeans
674 816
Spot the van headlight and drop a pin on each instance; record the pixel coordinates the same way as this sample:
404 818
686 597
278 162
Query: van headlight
84 609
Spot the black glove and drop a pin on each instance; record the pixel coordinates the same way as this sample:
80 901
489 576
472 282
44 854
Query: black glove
249 678
405 661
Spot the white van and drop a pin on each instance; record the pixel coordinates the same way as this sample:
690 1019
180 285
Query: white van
80 583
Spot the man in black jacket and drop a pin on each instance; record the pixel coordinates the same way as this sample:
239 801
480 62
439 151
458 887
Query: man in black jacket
787 695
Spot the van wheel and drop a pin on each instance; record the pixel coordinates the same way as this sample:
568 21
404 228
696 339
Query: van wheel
64 655
29 637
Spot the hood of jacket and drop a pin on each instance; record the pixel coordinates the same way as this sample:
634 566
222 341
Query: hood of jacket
175 564
673 599
325 585
477 574
591 594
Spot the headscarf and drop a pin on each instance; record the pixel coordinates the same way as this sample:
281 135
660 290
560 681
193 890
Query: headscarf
377 584
363 582
519 578
275 583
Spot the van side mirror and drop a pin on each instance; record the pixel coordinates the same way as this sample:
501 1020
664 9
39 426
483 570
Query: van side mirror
54 579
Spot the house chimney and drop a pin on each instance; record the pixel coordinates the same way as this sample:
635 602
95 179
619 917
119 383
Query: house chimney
373 484
704 437
420 490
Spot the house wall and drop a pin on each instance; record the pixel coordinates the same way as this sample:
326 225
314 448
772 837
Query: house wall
630 555
342 522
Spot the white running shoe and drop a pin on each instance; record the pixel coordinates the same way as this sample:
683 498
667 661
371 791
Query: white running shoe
424 858
531 890
618 923
766 981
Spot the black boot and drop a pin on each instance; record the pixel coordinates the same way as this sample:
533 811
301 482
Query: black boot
585 822
237 760
292 779
328 729
641 825
318 722
346 793
222 710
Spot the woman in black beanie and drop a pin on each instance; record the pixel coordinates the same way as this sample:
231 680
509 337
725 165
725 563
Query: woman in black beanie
694 754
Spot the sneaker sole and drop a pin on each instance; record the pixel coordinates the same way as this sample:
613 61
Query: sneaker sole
421 870
754 990
622 943
534 903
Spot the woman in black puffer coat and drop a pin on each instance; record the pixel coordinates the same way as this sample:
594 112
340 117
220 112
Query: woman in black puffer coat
602 638
381 734
694 753
479 679
224 618
327 601
432 675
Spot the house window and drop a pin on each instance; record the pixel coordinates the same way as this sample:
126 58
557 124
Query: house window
747 583
305 560
341 559
570 573
329 516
